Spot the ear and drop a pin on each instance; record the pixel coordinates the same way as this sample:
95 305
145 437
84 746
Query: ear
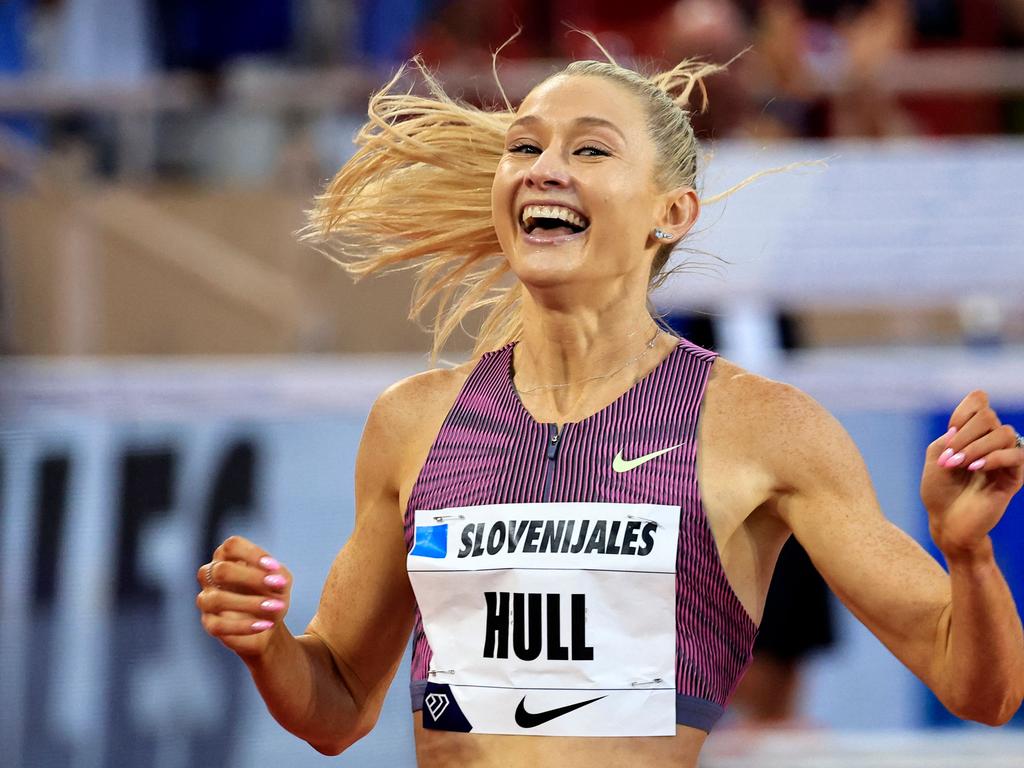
680 212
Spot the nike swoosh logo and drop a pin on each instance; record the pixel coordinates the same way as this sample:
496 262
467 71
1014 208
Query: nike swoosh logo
620 464
526 719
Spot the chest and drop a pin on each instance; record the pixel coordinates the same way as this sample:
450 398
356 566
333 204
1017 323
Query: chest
496 458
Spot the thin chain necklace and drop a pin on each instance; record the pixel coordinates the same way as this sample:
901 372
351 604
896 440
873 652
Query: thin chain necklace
647 348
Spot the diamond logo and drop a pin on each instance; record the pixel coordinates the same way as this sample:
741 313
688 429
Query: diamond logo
436 703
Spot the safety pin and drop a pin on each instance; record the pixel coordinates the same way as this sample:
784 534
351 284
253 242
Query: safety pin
655 681
442 518
441 672
645 519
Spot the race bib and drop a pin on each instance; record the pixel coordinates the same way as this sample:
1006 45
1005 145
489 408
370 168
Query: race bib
550 619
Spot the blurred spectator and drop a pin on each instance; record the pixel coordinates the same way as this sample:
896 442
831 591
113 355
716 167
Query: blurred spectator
953 24
866 41
460 32
803 50
797 623
775 90
719 30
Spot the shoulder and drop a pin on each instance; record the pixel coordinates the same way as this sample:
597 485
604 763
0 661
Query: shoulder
750 397
408 401
775 404
408 414
778 425
416 400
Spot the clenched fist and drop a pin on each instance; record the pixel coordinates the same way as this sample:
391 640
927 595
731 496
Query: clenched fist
970 475
244 596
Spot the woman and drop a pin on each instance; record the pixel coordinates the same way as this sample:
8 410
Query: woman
581 522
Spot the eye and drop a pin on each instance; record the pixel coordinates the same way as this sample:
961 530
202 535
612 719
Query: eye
592 151
524 148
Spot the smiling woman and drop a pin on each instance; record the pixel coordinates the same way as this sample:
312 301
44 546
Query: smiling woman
417 193
578 526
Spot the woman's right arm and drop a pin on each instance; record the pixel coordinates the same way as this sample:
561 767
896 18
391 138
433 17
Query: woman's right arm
327 685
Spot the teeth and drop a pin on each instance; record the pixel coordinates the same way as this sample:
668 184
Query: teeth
533 212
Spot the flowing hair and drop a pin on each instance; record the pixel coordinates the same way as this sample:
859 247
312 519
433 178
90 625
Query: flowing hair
417 193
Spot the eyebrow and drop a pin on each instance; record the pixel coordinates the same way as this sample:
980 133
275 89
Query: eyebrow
587 121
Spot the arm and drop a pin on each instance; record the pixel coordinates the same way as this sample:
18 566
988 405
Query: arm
959 632
327 686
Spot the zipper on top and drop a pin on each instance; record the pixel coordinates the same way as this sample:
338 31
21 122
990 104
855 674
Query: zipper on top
554 440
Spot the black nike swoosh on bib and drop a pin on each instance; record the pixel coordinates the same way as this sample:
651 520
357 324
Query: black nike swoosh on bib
526 719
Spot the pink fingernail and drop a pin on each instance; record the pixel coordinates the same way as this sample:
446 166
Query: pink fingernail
944 456
955 460
259 626
272 605
270 563
949 435
974 466
275 580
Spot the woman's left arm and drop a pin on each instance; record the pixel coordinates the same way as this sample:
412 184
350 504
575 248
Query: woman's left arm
959 632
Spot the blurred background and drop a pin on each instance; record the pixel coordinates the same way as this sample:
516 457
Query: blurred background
176 367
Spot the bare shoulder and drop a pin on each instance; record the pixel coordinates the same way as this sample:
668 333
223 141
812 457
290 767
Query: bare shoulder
732 386
787 429
406 417
409 402
749 399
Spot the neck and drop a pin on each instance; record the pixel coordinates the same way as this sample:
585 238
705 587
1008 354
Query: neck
565 352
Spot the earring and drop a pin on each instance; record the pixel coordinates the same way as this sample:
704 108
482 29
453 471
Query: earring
662 234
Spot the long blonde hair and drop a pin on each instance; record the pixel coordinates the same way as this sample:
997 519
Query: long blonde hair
417 193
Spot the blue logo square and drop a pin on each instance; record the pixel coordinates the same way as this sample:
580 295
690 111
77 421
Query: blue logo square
431 541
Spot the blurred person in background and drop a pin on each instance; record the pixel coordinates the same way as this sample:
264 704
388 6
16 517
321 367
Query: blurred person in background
797 623
804 51
560 216
956 26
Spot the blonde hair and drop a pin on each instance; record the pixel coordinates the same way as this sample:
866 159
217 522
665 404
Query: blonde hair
417 193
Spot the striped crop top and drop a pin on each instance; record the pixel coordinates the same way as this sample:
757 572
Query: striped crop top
490 450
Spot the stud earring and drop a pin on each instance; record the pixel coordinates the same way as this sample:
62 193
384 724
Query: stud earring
662 234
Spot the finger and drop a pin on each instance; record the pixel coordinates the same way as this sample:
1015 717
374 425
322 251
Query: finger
257 607
239 577
1005 458
969 406
241 549
223 626
964 445
205 576
938 445
982 421
1001 437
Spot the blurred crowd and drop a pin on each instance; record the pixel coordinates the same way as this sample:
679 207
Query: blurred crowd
812 68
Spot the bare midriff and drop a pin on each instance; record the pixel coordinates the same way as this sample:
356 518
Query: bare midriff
444 749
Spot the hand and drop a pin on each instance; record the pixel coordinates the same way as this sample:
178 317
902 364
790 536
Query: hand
245 594
970 475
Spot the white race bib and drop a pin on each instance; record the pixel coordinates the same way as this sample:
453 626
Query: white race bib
550 619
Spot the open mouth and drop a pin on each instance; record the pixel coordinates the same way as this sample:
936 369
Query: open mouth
547 222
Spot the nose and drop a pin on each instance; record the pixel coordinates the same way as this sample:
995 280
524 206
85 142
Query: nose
547 172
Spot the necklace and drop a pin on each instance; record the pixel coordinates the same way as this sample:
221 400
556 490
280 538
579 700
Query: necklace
647 348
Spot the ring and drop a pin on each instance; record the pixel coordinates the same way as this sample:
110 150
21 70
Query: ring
209 575
1019 442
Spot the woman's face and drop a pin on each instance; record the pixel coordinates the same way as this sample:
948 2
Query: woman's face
574 197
